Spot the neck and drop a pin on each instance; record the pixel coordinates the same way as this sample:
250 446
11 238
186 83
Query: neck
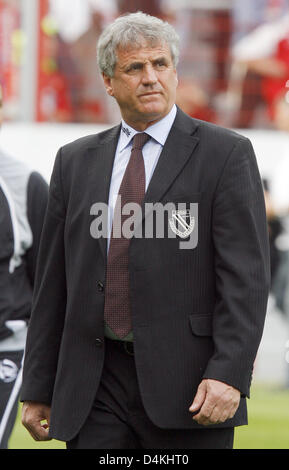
142 125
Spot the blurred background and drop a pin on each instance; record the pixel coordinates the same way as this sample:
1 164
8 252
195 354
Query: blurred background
233 71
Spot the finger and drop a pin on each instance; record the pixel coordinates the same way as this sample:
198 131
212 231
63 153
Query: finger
35 418
233 409
227 413
223 410
199 398
219 415
209 403
204 416
212 409
229 407
39 433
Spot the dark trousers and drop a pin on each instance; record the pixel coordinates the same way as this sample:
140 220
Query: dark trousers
10 382
118 419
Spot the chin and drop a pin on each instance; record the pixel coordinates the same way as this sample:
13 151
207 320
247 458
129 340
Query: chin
154 110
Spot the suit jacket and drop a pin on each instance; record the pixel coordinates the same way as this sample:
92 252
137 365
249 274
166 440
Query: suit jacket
196 313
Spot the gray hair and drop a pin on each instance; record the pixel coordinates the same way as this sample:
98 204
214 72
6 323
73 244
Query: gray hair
130 30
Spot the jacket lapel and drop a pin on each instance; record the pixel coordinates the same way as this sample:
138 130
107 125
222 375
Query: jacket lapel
100 169
178 148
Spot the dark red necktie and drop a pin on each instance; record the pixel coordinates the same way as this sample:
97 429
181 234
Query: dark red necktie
117 313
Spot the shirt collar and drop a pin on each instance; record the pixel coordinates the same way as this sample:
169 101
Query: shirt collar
158 131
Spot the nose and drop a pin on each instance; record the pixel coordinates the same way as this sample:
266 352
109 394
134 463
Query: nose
149 75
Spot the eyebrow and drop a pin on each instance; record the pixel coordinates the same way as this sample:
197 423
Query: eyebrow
131 64
160 59
154 61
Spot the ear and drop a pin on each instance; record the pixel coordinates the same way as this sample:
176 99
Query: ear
176 76
107 84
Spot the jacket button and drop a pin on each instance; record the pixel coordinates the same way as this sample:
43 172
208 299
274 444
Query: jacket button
98 342
100 286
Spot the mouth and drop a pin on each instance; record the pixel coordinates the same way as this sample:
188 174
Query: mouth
152 93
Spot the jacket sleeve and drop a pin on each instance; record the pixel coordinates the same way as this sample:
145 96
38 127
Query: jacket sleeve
242 268
37 197
49 300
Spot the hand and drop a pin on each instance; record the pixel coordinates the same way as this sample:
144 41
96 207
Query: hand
33 415
216 402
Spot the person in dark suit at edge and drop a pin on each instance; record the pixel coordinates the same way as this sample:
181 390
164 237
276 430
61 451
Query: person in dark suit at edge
139 342
23 200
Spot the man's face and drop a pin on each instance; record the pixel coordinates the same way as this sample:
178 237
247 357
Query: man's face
144 84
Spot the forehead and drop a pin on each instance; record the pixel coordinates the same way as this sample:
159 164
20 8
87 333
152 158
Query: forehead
142 52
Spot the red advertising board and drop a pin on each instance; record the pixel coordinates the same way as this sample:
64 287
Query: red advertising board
52 94
10 54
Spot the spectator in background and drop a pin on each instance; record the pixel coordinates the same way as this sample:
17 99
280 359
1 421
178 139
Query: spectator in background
264 54
194 101
248 15
75 57
23 199
281 110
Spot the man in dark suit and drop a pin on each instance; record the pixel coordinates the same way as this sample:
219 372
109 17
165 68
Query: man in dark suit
23 200
147 341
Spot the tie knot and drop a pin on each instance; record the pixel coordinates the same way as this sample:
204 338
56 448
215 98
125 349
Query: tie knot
139 140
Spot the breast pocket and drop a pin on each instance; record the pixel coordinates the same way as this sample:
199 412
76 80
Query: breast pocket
201 324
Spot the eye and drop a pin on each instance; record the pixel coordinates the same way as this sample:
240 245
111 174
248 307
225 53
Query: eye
161 63
134 67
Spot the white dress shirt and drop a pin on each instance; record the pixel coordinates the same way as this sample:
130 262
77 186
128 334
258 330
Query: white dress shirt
151 152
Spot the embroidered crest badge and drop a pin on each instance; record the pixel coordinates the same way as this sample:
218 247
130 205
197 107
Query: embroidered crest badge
182 223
